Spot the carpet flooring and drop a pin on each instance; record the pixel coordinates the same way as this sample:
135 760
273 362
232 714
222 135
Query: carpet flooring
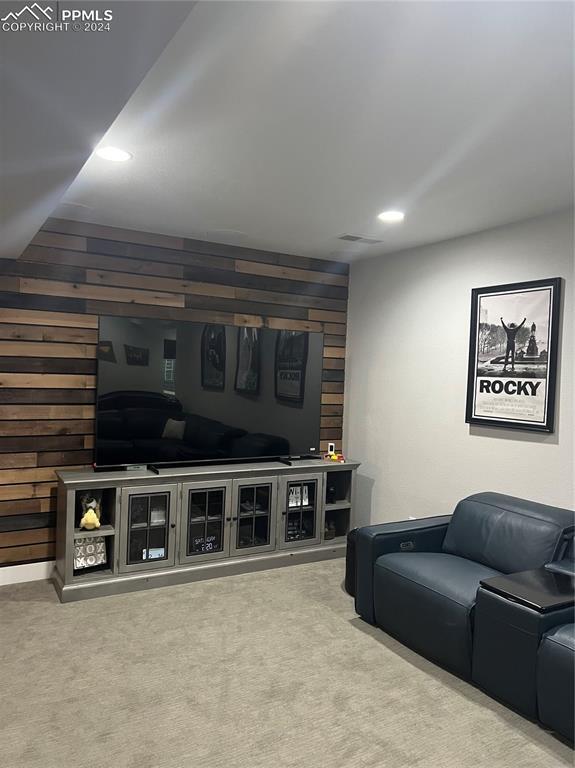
262 670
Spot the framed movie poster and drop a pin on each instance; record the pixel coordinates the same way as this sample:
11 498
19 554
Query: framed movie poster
513 355
137 355
214 357
291 363
248 361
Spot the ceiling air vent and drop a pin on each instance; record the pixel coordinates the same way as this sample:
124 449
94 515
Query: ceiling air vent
360 239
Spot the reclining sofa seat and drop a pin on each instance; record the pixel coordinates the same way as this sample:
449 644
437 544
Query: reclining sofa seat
418 580
555 675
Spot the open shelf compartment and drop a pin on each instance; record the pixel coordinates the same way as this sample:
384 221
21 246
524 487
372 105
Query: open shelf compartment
338 489
107 499
337 523
94 547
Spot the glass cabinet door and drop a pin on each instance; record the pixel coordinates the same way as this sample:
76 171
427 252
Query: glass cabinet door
205 519
300 510
147 528
253 516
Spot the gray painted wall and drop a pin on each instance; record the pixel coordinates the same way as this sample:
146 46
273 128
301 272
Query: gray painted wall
406 376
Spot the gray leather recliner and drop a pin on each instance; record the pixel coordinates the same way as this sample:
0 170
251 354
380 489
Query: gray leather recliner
555 680
418 579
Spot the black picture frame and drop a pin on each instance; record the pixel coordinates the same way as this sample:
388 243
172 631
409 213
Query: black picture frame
137 355
248 361
513 353
213 352
106 352
290 365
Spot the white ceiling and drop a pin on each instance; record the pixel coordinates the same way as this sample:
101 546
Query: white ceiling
59 93
282 125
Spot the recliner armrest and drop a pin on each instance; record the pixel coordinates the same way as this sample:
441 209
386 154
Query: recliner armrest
425 535
566 566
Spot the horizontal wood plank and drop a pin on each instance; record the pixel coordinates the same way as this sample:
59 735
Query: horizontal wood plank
334 352
27 522
28 506
47 365
9 460
42 442
247 307
34 475
332 410
288 299
85 229
101 261
46 318
47 427
21 332
167 284
284 324
52 381
64 458
27 491
29 553
140 252
265 257
323 316
29 536
333 364
331 421
28 412
329 399
58 240
328 375
247 280
249 321
332 386
102 293
164 313
46 349
330 340
337 329
330 434
39 302
40 396
291 273
27 269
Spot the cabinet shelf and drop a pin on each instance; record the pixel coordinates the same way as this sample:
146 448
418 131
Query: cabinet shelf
103 530
337 505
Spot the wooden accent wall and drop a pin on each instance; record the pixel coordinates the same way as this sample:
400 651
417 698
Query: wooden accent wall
50 300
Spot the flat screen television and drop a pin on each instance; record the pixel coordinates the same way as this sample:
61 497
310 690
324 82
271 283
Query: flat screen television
173 392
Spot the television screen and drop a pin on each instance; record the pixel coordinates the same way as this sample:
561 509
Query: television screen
173 392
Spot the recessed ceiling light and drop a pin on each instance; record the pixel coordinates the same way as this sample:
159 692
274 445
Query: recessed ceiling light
391 217
114 154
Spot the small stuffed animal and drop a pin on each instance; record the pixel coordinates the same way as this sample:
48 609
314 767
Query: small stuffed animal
90 520
92 512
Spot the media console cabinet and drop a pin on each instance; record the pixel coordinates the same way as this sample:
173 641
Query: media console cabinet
185 524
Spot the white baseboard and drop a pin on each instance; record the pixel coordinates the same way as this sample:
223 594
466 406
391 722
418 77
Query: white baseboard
16 574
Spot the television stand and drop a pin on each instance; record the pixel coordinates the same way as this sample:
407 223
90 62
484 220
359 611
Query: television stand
162 525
